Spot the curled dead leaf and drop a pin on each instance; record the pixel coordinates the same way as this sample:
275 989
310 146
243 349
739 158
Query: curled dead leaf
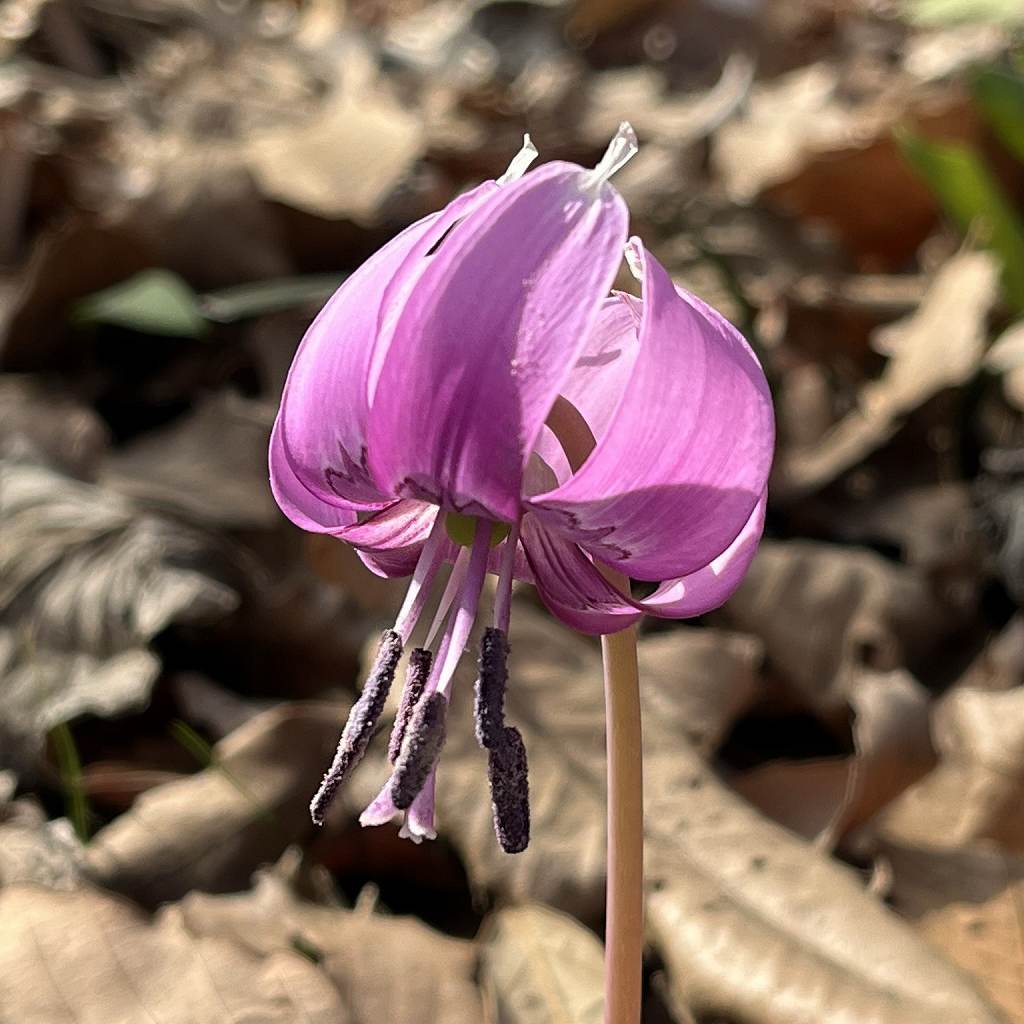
543 967
91 958
211 830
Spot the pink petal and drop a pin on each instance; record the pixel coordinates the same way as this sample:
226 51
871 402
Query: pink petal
486 338
321 427
304 508
598 380
712 586
571 587
687 453
389 542
576 593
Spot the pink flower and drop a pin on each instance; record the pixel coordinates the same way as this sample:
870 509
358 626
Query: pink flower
427 420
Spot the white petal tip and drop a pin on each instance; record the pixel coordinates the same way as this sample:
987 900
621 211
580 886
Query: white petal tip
415 833
520 162
620 151
634 258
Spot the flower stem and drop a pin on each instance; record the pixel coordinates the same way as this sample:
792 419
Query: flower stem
624 898
624 923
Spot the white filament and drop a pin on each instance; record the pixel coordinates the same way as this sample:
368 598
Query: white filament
520 162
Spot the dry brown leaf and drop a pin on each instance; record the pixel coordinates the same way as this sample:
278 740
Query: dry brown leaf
750 921
35 850
1000 665
863 611
210 831
43 688
976 790
705 680
825 799
392 969
69 435
785 121
90 958
346 160
754 924
1006 356
542 967
820 148
954 309
83 571
208 466
969 904
938 346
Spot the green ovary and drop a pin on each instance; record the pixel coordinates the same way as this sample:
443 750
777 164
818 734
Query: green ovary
462 529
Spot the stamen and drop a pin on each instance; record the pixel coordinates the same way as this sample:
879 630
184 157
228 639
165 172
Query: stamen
520 162
423 575
460 624
415 682
458 574
620 151
489 692
420 749
510 791
362 721
503 593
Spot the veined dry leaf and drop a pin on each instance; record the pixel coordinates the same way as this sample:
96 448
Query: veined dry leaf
968 904
976 790
703 679
392 969
750 921
68 434
35 850
938 346
43 688
85 572
89 958
756 925
211 830
542 967
209 466
954 309
867 613
825 799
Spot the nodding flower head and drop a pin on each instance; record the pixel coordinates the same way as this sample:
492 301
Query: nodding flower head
476 395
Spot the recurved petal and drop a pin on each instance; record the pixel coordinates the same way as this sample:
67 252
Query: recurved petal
686 455
713 585
305 509
321 426
571 587
486 338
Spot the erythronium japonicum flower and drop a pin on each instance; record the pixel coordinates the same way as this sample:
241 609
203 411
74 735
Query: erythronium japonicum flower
474 394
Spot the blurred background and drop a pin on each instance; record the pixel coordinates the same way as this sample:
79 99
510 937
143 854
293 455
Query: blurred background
835 760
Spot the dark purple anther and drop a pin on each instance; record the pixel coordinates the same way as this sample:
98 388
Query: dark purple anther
362 720
420 661
489 705
510 791
420 749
